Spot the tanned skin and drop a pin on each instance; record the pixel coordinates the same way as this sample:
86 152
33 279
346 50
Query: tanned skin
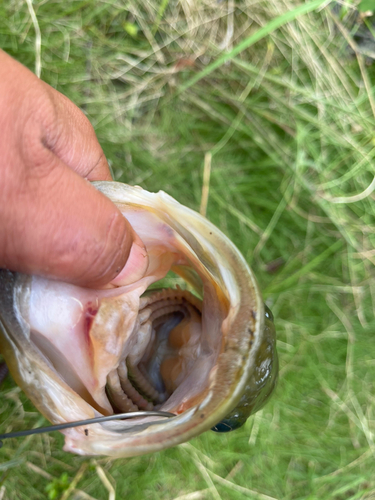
53 222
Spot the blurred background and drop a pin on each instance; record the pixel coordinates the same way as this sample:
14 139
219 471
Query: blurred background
275 102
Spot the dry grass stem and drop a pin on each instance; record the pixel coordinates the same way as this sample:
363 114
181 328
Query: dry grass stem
38 470
255 428
206 183
38 38
73 484
245 491
195 495
105 481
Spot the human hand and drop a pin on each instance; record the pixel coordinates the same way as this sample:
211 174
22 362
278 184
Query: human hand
52 221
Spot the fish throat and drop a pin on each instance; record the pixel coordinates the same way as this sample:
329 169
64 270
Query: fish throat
165 343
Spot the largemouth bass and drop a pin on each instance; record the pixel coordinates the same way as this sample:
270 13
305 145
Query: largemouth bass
205 352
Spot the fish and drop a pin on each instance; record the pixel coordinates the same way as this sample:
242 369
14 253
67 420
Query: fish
204 350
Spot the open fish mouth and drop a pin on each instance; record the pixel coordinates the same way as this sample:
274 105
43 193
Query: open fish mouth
169 335
205 352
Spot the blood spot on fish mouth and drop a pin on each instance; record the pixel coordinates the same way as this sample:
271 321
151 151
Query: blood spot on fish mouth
90 314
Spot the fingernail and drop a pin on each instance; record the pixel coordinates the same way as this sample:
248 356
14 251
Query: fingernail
135 267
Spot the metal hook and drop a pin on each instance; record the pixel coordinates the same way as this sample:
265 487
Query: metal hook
79 423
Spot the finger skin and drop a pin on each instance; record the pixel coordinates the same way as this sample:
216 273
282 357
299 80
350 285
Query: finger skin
52 221
72 138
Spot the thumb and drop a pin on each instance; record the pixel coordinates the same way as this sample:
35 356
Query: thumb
60 226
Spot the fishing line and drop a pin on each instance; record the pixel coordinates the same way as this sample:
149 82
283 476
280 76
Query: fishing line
89 421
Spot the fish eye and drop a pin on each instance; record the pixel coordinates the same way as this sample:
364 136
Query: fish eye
230 423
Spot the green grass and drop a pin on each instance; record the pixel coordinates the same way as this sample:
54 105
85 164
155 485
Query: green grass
286 108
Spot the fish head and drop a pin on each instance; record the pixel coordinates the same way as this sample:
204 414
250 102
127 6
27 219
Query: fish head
205 353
